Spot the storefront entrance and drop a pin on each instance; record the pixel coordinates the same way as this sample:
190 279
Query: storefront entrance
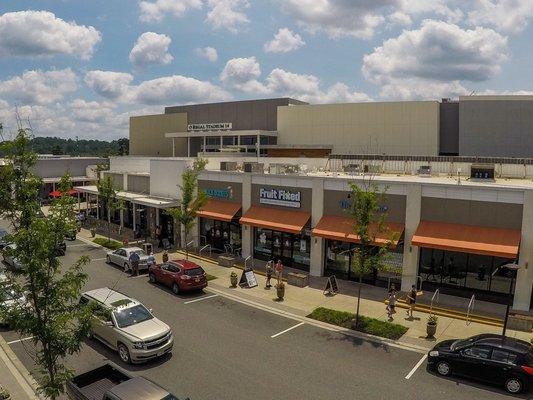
292 249
222 236
167 226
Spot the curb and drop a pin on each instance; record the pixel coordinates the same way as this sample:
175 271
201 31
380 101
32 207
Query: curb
19 371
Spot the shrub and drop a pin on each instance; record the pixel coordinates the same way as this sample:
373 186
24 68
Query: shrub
368 325
110 244
4 394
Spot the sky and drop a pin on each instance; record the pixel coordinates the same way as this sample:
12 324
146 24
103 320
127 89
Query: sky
78 68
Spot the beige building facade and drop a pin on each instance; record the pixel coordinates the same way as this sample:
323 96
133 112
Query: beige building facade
147 134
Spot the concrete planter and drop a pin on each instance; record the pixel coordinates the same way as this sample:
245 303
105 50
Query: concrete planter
233 280
280 291
431 329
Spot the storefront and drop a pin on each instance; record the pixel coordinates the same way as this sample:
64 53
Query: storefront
463 260
280 218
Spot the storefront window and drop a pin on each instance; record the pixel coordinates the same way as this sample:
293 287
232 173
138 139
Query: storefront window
293 250
263 244
300 253
337 257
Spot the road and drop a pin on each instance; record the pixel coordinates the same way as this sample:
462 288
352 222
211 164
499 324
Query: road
228 350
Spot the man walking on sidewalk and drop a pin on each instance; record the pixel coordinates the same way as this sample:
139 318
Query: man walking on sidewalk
279 270
134 263
411 302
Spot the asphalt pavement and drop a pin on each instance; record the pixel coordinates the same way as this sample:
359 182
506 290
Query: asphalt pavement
228 350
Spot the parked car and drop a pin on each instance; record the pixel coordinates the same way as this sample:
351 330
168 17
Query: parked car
127 326
121 257
9 253
9 297
109 382
3 238
61 249
180 275
488 357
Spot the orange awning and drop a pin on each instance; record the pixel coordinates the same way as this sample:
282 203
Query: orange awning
218 209
276 219
498 242
343 228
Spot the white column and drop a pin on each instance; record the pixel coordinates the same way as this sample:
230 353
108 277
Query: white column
412 219
125 182
221 141
97 208
188 146
173 147
205 145
247 231
121 219
53 186
524 279
317 243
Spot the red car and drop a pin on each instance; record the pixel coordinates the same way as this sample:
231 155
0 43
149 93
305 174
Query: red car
180 275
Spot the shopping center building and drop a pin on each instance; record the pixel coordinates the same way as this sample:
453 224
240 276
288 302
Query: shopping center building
457 177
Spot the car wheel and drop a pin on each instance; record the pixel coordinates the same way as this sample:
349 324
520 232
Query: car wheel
175 288
107 260
513 385
444 368
126 267
152 278
124 353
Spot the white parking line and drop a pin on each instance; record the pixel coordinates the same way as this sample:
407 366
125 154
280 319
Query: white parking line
287 330
76 245
20 340
98 259
200 299
418 364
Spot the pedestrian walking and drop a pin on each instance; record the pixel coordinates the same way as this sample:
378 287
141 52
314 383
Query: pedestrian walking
159 236
269 272
134 263
279 270
411 301
150 260
391 307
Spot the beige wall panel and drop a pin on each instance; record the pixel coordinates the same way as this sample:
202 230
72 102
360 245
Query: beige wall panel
147 135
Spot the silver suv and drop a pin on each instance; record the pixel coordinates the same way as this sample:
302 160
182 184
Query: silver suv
127 326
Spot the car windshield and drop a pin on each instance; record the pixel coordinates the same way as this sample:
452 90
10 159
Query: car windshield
132 315
459 344
170 397
194 271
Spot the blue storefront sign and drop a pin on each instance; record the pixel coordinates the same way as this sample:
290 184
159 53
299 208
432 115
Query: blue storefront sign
345 204
218 193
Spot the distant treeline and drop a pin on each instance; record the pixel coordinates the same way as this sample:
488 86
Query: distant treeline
81 147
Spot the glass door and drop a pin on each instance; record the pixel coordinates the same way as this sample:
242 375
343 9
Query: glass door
286 251
277 246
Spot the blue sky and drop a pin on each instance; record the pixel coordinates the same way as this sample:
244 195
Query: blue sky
81 68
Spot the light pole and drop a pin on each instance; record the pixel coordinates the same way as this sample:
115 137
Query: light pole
513 267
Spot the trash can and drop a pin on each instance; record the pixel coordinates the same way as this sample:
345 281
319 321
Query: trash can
148 248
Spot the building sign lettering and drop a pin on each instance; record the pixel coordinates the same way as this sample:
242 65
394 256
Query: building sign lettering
280 197
345 204
215 126
218 193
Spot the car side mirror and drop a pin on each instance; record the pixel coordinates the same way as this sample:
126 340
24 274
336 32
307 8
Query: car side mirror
108 323
151 310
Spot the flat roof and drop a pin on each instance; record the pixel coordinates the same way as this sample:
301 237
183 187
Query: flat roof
143 199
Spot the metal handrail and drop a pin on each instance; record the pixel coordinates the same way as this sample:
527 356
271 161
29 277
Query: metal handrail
246 260
205 247
436 295
419 279
471 305
187 245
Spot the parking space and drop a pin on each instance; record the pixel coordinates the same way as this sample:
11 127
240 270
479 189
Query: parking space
228 350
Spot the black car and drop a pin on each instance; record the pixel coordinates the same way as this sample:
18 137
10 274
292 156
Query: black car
502 361
3 238
60 249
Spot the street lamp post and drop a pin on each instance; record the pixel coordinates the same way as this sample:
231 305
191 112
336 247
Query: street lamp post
514 268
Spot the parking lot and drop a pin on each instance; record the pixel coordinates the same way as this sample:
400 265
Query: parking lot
228 350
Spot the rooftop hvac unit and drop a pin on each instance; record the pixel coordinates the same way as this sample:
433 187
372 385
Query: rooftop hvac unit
254 167
228 166
424 170
482 171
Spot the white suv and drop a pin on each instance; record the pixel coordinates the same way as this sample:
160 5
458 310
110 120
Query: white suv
127 326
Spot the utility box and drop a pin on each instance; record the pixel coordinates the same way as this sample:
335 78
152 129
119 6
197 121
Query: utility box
482 172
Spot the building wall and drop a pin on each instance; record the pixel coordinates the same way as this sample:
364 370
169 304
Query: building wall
449 128
147 135
496 126
335 203
139 184
244 115
165 177
480 213
236 189
57 167
403 128
117 179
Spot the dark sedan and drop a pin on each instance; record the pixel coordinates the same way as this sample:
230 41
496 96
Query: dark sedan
490 358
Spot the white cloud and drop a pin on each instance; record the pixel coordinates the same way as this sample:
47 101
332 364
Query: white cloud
178 89
156 10
400 18
209 53
509 16
242 74
151 49
40 87
284 41
449 10
109 84
41 33
227 14
438 56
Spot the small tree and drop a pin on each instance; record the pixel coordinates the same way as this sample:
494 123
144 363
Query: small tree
369 223
107 195
191 200
52 315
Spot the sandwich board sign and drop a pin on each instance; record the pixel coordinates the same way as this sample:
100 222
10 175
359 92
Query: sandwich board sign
248 278
332 286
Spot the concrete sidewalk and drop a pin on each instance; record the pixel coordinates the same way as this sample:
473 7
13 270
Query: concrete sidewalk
14 376
302 301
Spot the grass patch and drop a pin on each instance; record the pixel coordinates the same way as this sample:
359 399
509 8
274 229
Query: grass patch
210 277
110 244
368 325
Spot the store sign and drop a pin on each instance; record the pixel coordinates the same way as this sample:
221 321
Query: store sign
218 193
280 197
346 204
216 126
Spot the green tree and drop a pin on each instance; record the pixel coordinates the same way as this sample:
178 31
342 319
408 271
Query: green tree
107 195
52 316
369 224
191 200
57 150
